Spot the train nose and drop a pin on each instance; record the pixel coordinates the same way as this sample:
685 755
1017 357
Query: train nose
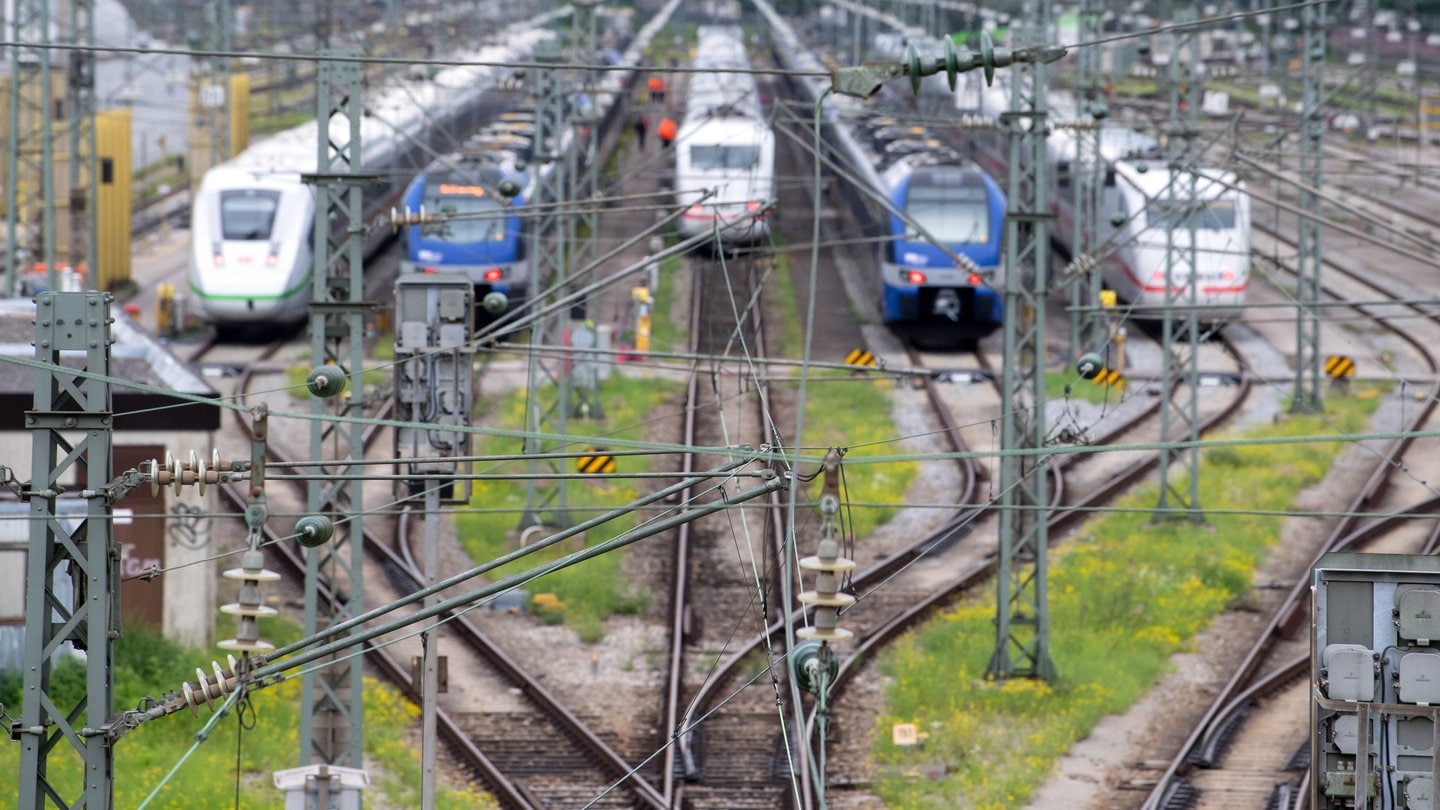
947 305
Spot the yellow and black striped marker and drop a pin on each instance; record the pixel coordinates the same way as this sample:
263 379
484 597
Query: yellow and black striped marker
1339 366
1109 377
596 463
860 357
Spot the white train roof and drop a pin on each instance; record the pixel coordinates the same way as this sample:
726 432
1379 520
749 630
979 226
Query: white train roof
399 107
1153 179
722 85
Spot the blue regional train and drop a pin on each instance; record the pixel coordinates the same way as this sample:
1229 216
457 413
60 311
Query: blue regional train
940 260
472 202
937 216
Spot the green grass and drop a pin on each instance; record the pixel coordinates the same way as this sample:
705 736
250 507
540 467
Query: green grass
590 591
1063 385
1124 596
147 664
843 410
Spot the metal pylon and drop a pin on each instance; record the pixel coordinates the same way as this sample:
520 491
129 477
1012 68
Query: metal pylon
1180 466
72 584
549 270
30 158
1088 327
81 92
332 706
215 86
1306 398
1022 645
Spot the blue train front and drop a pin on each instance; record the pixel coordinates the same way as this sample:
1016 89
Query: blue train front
470 226
942 296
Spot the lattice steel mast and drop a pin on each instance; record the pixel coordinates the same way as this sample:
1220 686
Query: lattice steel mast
332 707
1087 169
1180 466
80 90
1022 645
30 157
1308 238
71 449
549 271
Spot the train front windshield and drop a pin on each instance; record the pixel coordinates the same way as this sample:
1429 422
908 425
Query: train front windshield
248 215
1203 215
722 157
468 214
951 213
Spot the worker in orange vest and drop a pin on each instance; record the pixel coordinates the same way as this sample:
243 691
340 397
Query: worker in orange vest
667 131
657 89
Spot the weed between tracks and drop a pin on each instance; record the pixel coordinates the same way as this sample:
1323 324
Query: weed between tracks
148 664
1124 597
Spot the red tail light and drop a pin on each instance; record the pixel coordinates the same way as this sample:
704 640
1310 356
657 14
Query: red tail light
219 260
974 280
494 274
752 206
272 260
914 276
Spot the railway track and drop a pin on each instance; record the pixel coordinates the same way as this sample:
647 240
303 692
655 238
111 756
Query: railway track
1250 748
534 770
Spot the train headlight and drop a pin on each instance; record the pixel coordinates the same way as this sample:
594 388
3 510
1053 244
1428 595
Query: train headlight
912 276
219 260
494 274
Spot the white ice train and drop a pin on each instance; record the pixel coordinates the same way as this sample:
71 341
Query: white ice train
1149 215
252 219
724 148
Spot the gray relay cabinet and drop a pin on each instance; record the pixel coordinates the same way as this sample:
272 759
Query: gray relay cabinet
1375 681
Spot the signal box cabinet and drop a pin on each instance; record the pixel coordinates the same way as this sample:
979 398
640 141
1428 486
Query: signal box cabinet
1375 681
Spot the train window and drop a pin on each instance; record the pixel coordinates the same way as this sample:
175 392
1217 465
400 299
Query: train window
469 217
953 214
710 157
1205 215
248 214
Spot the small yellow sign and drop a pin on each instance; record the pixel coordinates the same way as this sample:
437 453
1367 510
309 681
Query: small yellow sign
860 357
